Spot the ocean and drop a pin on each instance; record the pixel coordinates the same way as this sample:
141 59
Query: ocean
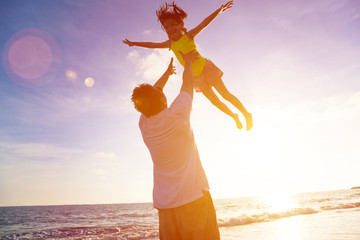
331 215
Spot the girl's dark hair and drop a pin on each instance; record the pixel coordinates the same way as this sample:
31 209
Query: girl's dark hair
167 11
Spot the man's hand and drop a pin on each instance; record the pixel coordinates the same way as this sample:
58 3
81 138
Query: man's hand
126 41
165 77
226 6
190 56
171 68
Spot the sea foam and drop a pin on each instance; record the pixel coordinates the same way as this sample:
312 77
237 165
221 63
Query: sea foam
264 217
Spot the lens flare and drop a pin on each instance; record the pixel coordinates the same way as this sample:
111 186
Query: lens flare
31 58
71 74
89 82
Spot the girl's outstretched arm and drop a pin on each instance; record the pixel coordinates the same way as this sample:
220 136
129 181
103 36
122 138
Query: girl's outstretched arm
165 44
195 31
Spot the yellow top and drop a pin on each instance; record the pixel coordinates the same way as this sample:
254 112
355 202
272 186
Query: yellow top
185 45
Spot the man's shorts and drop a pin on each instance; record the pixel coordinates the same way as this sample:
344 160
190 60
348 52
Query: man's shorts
208 77
193 221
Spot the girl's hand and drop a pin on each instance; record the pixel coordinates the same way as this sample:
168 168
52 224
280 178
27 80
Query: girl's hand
171 69
128 42
226 6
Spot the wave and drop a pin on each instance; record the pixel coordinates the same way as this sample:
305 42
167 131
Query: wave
264 217
342 206
272 216
131 232
136 215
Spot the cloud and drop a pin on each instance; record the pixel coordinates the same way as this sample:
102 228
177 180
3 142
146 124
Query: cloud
98 171
55 108
41 173
147 32
12 152
152 65
104 155
133 56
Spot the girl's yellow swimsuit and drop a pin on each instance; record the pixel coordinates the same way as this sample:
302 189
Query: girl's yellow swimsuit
185 45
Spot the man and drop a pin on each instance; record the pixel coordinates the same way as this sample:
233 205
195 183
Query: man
181 190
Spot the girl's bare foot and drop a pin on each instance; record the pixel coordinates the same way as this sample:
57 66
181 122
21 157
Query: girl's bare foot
249 121
238 123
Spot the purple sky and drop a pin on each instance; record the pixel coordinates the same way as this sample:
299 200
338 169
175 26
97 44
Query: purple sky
294 64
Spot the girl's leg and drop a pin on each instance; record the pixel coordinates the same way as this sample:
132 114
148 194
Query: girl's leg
224 92
209 94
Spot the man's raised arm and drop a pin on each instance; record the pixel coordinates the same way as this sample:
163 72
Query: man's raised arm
188 82
165 77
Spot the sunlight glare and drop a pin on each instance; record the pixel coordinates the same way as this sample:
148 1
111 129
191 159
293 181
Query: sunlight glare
288 229
279 203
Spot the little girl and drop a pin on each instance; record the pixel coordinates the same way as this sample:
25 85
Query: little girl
206 74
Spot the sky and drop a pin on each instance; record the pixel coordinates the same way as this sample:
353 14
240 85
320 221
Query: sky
69 133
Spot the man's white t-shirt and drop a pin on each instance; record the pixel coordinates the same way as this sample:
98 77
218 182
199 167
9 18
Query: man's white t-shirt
179 177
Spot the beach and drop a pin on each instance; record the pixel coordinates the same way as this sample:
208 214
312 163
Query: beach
331 215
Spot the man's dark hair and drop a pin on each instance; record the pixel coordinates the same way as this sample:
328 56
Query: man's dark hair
147 99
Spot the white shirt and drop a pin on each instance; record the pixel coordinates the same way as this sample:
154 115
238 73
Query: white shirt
179 177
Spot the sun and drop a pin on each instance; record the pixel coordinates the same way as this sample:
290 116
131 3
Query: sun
279 203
